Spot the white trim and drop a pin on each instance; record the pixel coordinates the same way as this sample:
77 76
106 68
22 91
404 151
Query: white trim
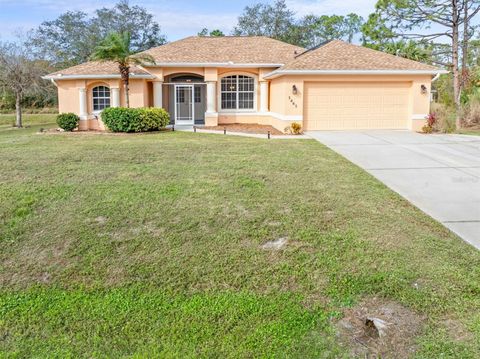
81 77
212 64
278 73
271 114
255 92
97 112
279 116
419 116
192 100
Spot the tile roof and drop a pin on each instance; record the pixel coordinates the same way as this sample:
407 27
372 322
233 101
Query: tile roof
96 68
237 49
339 55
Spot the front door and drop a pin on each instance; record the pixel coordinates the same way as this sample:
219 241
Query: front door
184 105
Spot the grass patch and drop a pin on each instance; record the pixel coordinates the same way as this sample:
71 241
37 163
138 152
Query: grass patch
466 131
151 245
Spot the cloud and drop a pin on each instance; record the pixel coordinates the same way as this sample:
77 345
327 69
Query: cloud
177 24
330 7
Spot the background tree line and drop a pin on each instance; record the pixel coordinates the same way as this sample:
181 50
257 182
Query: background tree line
442 33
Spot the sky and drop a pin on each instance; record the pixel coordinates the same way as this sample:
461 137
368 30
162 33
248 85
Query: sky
177 18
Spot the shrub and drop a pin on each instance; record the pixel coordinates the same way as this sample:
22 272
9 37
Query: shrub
445 118
68 121
471 110
294 129
121 119
152 119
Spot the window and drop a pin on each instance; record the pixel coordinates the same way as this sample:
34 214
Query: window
238 92
101 98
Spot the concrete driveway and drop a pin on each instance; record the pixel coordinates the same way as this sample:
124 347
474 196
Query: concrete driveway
440 174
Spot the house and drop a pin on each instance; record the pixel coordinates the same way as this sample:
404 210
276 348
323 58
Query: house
220 80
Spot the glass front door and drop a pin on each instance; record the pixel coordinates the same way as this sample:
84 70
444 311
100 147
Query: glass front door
184 105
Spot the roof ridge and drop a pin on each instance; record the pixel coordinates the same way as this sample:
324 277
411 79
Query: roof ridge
314 48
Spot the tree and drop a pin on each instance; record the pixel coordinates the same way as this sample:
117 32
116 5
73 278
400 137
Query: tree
275 21
318 29
408 19
69 39
19 74
116 47
215 33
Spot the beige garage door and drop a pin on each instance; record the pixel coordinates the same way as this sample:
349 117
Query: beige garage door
360 105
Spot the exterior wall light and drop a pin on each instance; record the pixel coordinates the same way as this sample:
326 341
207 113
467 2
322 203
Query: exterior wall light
294 90
423 89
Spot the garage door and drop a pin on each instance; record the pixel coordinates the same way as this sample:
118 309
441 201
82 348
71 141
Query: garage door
360 105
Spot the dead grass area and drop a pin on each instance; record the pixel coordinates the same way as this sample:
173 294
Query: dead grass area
397 338
247 128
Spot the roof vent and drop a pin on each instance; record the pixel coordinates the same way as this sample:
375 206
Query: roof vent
295 52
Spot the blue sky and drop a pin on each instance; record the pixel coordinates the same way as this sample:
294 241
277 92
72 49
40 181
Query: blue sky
178 18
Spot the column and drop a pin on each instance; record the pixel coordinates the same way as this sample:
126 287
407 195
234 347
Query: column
263 96
157 94
211 85
115 92
82 111
82 92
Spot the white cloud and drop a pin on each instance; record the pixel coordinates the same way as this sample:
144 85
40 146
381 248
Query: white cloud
330 7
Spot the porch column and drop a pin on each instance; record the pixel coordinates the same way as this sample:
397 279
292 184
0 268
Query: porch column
82 93
157 94
115 92
82 111
211 90
263 96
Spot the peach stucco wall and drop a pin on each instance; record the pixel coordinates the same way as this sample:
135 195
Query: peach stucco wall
283 106
69 97
283 101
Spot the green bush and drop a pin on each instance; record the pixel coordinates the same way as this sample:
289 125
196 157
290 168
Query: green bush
68 121
121 119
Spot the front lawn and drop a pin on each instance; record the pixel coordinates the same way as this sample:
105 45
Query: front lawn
151 245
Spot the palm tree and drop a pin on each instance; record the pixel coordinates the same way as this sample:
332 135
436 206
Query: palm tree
116 47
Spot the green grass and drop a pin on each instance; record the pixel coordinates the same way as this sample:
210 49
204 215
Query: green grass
466 131
150 245
46 120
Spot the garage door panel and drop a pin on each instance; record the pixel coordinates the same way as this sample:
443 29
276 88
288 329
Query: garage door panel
337 106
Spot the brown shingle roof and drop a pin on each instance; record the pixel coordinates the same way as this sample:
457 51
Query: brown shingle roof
237 49
339 55
96 68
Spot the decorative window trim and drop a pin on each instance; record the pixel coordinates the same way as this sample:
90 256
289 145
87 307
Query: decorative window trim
97 111
238 110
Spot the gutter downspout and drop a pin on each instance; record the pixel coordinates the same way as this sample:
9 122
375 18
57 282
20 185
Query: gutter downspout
53 82
435 78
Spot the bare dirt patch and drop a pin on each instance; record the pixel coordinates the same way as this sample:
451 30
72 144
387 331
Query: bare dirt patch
246 128
378 328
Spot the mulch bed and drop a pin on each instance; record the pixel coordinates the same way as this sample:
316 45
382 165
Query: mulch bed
246 128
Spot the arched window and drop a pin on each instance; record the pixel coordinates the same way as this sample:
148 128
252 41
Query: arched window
101 98
237 92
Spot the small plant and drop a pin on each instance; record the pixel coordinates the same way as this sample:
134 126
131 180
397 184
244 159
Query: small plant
431 122
67 121
294 129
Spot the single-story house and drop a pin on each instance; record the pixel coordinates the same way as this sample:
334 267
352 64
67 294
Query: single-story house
220 80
